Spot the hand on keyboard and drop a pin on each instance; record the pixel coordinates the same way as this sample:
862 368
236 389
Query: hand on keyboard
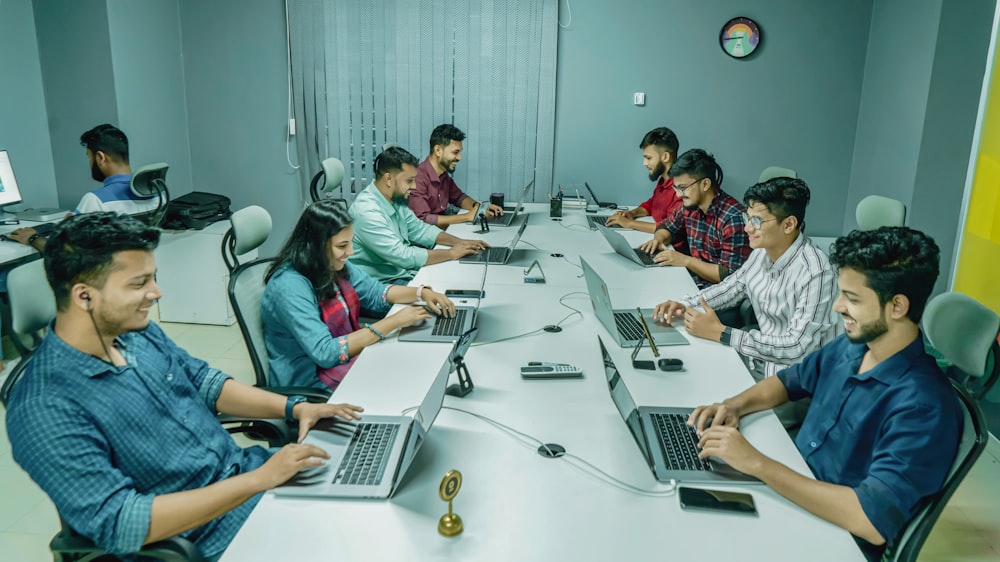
21 234
287 462
410 315
437 304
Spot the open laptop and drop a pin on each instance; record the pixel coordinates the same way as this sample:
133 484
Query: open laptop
623 324
511 212
369 458
669 445
594 220
440 329
621 245
497 255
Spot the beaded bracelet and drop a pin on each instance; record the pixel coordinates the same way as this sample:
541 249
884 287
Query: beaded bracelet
378 334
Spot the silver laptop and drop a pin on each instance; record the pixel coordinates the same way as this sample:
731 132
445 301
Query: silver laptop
668 444
369 458
499 255
621 245
623 324
598 220
511 212
441 329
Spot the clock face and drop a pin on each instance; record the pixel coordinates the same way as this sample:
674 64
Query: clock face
740 37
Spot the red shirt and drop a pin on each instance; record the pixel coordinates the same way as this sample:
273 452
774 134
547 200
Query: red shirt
433 193
664 202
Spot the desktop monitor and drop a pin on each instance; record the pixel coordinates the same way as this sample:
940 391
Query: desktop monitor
9 193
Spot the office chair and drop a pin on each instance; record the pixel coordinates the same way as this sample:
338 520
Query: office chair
772 172
148 181
911 538
70 546
330 177
246 287
250 228
965 331
32 305
876 211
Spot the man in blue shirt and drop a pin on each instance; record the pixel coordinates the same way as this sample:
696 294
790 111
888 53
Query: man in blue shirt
884 424
117 424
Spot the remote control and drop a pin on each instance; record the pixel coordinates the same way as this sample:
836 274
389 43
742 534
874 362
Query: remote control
551 371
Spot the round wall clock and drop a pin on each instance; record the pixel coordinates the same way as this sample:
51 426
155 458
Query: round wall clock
740 37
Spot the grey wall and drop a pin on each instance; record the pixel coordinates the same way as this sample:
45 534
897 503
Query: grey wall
75 55
24 130
793 104
234 67
145 39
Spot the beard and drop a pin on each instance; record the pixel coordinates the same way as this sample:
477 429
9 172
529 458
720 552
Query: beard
96 172
401 200
870 331
657 172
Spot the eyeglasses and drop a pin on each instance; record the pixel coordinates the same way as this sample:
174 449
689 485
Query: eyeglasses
754 221
683 188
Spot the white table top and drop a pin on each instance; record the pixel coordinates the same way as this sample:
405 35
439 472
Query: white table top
515 504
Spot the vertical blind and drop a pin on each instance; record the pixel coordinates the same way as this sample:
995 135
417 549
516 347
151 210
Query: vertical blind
365 73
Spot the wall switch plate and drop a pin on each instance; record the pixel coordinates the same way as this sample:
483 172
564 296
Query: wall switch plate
639 98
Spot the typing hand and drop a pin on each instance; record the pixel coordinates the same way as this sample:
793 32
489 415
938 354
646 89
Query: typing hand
438 303
669 256
720 414
652 246
728 444
621 219
665 312
308 414
494 211
703 324
22 234
287 462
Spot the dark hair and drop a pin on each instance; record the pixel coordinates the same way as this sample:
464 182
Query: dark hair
107 139
664 138
697 163
783 197
82 249
392 159
896 260
306 247
442 135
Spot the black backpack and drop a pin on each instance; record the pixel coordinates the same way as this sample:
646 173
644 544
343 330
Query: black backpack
196 210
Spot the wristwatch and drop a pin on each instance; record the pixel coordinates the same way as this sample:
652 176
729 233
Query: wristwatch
727 333
290 405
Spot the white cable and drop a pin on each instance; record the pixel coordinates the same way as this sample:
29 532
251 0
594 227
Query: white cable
570 12
291 114
532 332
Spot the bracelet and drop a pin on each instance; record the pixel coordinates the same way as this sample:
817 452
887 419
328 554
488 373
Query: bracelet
420 289
378 334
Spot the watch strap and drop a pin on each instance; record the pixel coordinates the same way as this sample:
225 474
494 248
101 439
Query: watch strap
290 405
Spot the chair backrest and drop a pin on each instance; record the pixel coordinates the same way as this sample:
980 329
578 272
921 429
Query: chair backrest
250 228
772 172
876 211
965 331
972 444
246 287
330 177
149 181
32 304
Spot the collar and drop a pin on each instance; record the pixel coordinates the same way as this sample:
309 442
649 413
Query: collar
76 361
789 254
118 178
381 202
892 368
430 171
662 184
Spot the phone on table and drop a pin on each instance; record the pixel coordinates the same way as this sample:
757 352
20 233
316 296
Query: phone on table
716 500
465 293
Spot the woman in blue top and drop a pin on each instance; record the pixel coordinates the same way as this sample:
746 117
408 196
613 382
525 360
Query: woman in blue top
313 297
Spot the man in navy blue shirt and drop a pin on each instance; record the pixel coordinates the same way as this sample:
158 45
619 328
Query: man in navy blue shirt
117 424
884 424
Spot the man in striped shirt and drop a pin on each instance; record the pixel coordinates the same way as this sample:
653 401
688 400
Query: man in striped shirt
788 280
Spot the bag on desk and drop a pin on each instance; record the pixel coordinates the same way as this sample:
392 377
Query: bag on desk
196 210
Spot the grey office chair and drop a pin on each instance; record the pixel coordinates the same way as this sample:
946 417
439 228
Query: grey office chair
250 228
327 179
876 211
149 181
772 172
32 305
965 332
911 538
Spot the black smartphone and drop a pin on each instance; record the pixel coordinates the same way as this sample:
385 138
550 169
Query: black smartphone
643 364
716 500
465 293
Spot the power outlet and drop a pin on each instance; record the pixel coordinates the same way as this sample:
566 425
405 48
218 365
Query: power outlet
639 98
291 127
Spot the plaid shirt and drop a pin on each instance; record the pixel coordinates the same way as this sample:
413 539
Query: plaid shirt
715 236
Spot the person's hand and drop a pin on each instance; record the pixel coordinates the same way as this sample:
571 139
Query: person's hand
624 213
622 220
439 303
653 246
22 234
308 414
494 211
288 461
410 315
665 312
671 257
467 247
728 444
720 414
703 324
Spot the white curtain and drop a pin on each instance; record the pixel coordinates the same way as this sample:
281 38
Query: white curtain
369 72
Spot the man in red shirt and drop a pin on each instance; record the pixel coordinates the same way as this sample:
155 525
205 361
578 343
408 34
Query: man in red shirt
436 189
659 152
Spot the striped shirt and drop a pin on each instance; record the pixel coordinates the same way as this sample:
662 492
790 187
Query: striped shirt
792 297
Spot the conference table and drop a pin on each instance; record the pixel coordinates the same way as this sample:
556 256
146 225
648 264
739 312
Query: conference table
600 501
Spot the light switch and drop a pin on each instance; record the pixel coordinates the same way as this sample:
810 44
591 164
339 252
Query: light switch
639 98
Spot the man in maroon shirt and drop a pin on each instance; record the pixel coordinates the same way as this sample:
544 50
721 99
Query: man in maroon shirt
659 152
435 187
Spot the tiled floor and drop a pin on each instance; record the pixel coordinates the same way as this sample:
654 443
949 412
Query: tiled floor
968 531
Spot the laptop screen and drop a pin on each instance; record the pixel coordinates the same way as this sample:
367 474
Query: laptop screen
623 400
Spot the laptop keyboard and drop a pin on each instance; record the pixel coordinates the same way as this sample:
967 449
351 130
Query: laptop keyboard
490 255
367 455
596 220
450 326
629 326
646 259
679 442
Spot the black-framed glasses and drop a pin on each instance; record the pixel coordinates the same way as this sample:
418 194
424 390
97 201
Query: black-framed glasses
683 188
755 221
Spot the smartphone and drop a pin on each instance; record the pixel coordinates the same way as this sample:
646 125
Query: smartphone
465 293
716 500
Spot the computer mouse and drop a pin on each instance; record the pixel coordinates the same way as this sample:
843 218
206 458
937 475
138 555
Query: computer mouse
670 364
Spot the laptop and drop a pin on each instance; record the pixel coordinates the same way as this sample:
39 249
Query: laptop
511 212
598 220
496 255
369 458
668 444
621 245
440 329
623 324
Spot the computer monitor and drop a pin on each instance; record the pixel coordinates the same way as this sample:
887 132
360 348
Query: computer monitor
9 193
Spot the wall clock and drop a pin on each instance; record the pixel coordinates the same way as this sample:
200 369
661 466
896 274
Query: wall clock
740 37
